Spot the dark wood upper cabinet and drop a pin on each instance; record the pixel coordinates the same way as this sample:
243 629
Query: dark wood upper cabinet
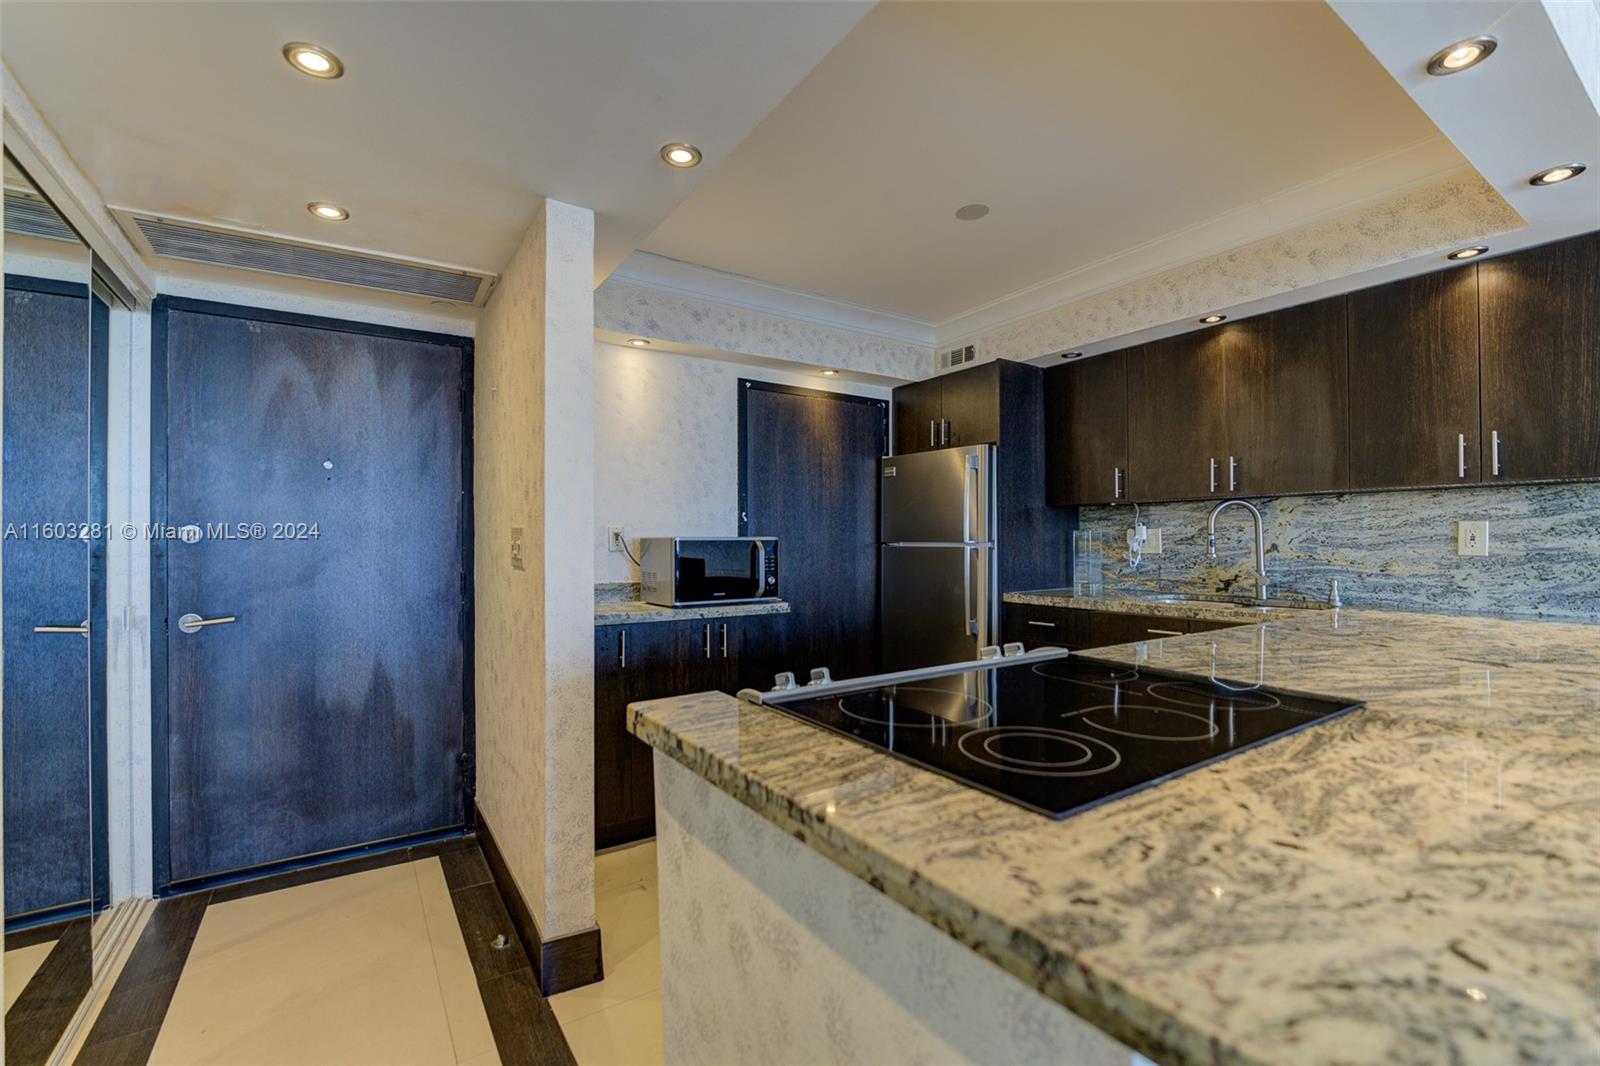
948 410
1288 405
1539 323
918 410
1086 431
1177 416
1414 382
971 402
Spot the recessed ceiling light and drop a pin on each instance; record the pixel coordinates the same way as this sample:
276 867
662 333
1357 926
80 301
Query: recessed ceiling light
682 156
1557 175
312 60
830 373
639 342
1468 253
326 211
972 212
1454 58
1211 320
1072 355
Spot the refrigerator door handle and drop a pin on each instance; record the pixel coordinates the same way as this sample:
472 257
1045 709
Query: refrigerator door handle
971 623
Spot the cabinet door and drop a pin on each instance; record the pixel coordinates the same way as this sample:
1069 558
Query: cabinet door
1414 382
1288 407
971 405
1086 431
1177 422
613 758
1539 315
750 651
918 409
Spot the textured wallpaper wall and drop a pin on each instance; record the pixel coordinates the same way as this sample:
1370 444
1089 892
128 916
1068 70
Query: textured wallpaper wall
533 466
1454 210
1394 550
667 445
630 307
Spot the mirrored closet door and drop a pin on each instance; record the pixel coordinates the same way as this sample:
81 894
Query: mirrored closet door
57 334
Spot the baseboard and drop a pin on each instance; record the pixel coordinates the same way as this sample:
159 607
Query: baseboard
562 963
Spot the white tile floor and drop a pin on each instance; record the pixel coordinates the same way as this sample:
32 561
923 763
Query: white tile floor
367 968
617 1022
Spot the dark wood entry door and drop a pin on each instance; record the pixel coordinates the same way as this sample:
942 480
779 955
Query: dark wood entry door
55 380
332 712
808 475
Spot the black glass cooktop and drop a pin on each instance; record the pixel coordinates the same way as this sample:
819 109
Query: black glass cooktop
1065 735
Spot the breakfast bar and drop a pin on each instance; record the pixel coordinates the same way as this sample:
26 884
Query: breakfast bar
1414 881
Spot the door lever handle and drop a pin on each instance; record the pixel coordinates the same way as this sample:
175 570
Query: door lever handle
81 629
193 623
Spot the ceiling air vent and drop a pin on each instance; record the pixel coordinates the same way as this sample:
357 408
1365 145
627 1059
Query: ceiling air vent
32 216
203 243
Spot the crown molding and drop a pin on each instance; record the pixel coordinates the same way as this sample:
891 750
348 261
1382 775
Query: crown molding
1408 167
688 279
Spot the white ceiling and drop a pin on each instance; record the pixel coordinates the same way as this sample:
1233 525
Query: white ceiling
450 123
1094 131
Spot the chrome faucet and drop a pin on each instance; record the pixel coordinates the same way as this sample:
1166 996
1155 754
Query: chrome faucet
1261 550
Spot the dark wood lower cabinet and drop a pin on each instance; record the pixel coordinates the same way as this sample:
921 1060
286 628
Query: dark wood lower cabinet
1074 628
653 660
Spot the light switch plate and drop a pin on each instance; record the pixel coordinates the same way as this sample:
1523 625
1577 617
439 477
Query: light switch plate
1472 538
516 548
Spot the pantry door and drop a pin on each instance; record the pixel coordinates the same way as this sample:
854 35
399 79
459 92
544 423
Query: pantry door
314 571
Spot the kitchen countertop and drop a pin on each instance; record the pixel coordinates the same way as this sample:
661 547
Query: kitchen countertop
627 612
1206 610
1418 881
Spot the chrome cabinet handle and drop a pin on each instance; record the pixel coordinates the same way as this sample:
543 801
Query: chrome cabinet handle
1213 475
193 623
708 640
1461 455
724 640
1233 476
1116 483
933 433
1494 446
82 630
622 649
1167 632
1044 625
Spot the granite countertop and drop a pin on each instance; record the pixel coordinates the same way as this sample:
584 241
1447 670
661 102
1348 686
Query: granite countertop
626 612
1208 610
1416 882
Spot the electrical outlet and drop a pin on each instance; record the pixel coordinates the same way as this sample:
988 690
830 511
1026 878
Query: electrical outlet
1152 542
1472 538
614 538
516 548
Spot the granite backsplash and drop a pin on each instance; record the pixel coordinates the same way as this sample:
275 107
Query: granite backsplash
1388 550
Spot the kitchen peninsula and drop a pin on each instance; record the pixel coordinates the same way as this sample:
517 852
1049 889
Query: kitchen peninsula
1415 881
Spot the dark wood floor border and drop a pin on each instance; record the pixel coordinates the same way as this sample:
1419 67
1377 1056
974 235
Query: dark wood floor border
125 1032
559 964
38 934
354 864
525 1029
46 1007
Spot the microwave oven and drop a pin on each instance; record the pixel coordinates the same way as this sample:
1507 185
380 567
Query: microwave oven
695 571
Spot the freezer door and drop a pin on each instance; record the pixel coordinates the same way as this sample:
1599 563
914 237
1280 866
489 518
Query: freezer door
942 497
937 605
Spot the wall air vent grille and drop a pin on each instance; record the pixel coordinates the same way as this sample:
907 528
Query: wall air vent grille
34 217
959 356
220 247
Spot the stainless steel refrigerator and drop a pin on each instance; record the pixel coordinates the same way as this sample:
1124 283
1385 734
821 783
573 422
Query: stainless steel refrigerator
937 556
